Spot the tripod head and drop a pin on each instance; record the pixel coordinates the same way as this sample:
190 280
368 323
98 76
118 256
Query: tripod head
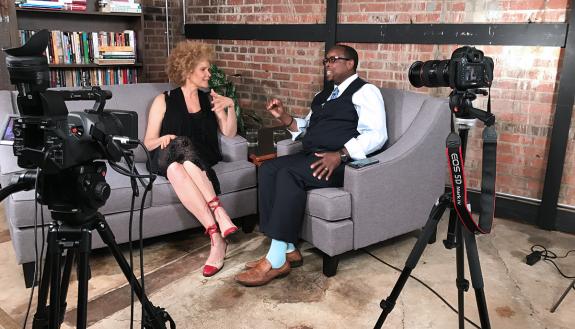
461 104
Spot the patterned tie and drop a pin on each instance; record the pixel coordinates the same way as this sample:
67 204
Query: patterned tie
334 94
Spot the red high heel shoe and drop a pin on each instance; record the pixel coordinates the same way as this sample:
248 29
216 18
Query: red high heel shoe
215 204
210 270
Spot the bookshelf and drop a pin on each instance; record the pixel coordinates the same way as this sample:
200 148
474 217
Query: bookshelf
88 21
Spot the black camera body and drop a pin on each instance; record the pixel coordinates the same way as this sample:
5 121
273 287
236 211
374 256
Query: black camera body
468 68
59 140
46 136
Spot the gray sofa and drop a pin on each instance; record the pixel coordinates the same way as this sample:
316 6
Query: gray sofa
163 212
390 198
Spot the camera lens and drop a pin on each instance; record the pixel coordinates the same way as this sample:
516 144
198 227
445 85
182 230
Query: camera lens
429 74
414 74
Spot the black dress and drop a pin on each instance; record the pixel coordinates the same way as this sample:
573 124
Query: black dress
197 136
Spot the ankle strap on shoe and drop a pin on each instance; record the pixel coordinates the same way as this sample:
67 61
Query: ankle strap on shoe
210 230
214 203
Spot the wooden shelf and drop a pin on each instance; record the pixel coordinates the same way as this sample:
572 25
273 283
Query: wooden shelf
91 66
90 20
69 12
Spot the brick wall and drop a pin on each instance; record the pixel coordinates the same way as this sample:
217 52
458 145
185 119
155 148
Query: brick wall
523 94
156 48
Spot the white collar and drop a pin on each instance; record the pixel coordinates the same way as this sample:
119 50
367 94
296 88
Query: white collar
343 86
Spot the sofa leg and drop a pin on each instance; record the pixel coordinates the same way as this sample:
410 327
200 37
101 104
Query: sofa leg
28 269
249 223
330 265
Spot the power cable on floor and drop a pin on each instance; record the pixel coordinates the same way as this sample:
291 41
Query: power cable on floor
426 286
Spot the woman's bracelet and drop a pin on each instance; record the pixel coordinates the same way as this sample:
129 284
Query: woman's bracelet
289 124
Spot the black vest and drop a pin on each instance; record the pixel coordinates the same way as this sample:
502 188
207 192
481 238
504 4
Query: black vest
333 123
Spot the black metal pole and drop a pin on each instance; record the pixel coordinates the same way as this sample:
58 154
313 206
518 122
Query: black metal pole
547 215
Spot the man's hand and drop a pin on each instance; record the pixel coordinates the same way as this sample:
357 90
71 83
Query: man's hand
276 108
220 103
325 166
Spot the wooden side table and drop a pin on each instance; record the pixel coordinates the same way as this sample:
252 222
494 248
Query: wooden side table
265 149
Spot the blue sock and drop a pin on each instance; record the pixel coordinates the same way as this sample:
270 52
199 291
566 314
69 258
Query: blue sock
277 253
290 247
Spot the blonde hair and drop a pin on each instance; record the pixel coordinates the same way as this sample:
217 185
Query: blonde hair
184 58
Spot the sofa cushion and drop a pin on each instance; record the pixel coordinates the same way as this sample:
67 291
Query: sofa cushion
331 204
20 210
233 176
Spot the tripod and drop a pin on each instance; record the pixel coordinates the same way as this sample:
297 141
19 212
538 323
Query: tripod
571 286
76 240
457 237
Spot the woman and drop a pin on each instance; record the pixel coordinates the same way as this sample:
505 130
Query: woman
182 134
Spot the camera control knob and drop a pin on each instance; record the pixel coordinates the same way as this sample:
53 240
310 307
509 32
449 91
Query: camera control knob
17 132
102 191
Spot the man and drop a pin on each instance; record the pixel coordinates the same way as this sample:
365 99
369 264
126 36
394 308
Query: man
346 122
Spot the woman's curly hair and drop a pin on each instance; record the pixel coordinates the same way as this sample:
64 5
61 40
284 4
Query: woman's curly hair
184 58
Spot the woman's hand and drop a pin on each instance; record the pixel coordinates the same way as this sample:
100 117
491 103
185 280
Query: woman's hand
220 103
165 140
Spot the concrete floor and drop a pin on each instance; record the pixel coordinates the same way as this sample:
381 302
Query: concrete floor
518 295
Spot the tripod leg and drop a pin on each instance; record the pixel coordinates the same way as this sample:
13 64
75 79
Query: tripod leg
65 282
55 277
155 316
388 304
476 278
41 316
461 283
571 286
83 257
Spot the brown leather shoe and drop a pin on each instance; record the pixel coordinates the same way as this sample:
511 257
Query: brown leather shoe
262 274
294 258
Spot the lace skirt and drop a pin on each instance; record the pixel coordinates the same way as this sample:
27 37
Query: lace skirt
180 150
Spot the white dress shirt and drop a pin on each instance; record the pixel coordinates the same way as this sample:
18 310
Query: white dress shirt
371 125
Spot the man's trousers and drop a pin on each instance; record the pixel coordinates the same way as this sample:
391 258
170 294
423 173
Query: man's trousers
282 192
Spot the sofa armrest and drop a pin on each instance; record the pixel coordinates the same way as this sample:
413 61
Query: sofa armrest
395 196
233 148
287 147
8 164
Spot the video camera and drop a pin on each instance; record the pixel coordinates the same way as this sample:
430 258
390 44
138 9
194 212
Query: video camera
46 136
468 68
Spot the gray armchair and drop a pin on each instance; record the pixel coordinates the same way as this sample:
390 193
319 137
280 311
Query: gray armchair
390 198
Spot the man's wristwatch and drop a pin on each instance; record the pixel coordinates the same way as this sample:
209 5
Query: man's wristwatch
343 156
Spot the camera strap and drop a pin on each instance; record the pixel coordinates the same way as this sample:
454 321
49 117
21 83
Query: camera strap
458 180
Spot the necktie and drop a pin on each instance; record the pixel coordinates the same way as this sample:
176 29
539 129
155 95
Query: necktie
334 94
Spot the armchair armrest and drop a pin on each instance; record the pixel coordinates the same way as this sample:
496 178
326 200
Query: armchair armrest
233 148
395 196
287 147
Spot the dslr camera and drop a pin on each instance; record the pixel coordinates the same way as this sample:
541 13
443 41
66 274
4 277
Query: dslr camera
468 68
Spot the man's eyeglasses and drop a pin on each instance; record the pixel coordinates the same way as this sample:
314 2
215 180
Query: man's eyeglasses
332 59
